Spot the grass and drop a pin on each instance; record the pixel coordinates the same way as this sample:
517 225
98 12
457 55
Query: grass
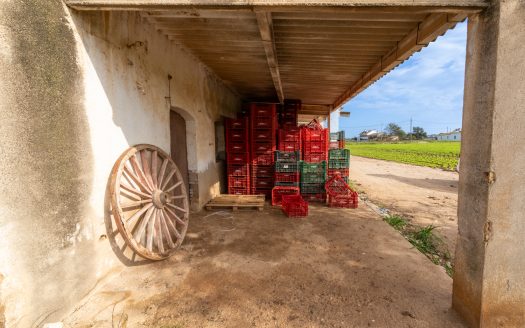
424 240
436 154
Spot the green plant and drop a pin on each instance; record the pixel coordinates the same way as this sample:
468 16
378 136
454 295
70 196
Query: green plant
396 221
423 239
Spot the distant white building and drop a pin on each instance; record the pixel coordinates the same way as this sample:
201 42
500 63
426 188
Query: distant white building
370 135
449 136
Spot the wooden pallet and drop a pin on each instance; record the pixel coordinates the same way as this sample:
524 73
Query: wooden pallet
237 201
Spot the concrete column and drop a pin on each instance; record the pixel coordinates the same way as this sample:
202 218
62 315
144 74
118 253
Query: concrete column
489 278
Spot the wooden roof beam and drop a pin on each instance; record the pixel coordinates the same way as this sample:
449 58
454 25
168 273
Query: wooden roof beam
427 31
264 20
279 5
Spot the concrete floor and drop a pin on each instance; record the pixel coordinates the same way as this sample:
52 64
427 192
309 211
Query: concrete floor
336 268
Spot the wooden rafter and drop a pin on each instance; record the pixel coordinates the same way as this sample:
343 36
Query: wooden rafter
264 20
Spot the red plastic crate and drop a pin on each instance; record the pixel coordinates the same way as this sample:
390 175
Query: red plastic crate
239 170
315 157
262 148
239 182
263 123
315 135
240 123
289 114
236 136
347 201
321 197
337 144
315 147
314 125
237 147
263 136
262 110
289 146
262 171
237 159
262 159
286 177
262 182
341 172
336 186
279 191
294 206
239 191
289 135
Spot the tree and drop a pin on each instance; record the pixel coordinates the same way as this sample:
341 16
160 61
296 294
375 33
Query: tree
419 133
393 129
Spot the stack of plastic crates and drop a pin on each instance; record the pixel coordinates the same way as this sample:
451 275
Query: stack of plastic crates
238 156
294 206
287 168
278 192
313 178
339 163
314 142
340 194
288 113
289 139
263 125
337 140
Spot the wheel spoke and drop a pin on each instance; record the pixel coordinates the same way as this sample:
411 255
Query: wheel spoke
140 231
130 195
138 214
134 191
172 227
178 208
175 216
158 232
136 179
162 171
134 204
163 220
139 172
151 225
154 168
174 186
165 181
145 165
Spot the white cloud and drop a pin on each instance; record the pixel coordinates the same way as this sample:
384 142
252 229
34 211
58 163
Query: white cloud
427 87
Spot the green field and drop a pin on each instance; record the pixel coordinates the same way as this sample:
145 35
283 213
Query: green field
439 154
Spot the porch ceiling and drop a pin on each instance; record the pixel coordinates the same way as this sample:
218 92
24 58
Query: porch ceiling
321 54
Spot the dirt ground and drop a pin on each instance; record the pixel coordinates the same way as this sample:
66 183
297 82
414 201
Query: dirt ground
424 195
335 268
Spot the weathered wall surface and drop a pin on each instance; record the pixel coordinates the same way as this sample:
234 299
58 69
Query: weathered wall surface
75 93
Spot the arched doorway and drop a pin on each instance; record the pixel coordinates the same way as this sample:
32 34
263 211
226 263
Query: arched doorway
179 145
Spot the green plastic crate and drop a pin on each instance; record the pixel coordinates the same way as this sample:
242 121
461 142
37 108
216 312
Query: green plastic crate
305 167
285 167
337 136
338 154
312 188
313 178
339 163
287 156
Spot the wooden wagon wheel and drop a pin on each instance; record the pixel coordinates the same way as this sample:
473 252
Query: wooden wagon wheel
149 201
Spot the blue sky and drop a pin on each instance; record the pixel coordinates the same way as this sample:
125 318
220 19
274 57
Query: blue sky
427 87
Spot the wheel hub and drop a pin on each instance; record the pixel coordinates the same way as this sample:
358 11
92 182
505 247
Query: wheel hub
160 198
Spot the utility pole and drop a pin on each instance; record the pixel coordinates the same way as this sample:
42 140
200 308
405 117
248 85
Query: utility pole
411 132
